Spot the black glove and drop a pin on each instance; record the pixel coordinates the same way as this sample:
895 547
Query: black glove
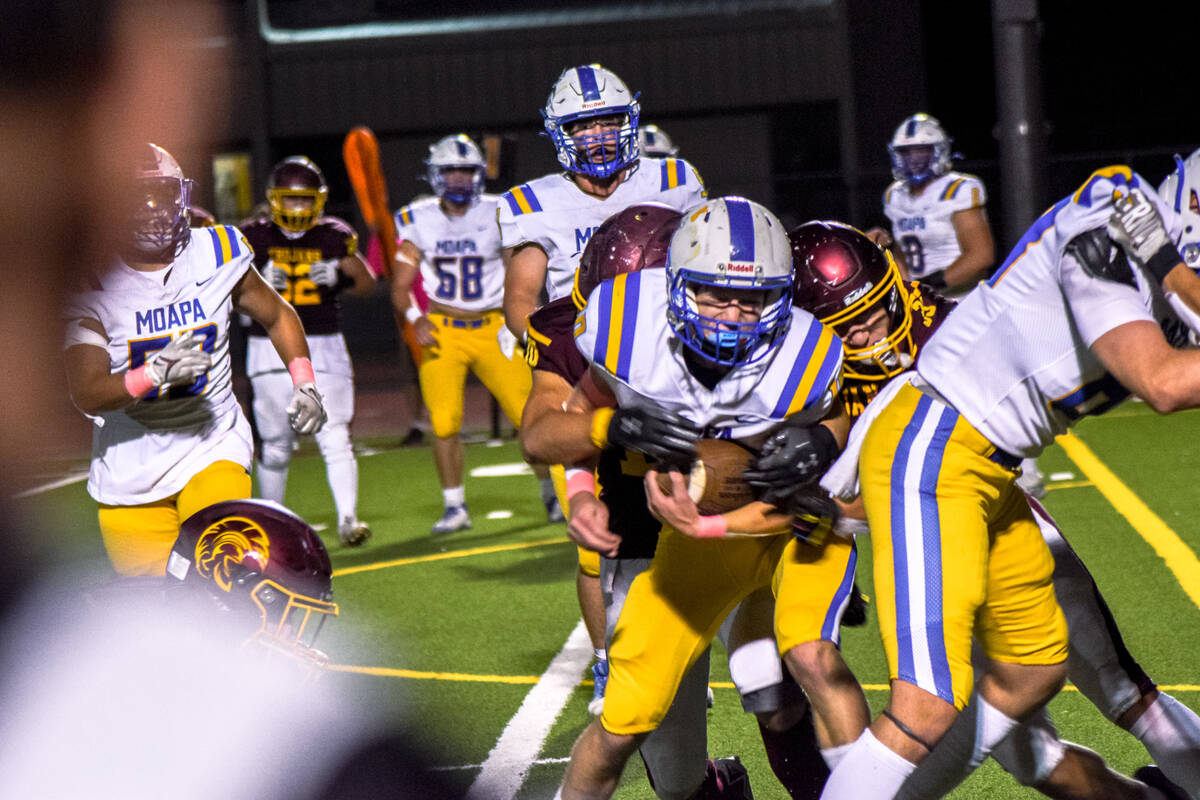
935 280
815 516
1101 257
662 435
790 460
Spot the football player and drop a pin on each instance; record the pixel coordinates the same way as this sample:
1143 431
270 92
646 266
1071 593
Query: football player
592 119
1181 191
733 361
147 356
452 239
310 259
958 549
854 287
654 142
674 754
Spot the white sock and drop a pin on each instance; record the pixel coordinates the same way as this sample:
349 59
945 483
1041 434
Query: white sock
834 755
343 482
600 654
1171 732
547 486
977 730
454 496
868 769
272 481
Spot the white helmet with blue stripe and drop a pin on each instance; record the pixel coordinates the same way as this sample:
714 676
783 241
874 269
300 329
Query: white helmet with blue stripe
730 243
653 141
451 153
1181 191
582 93
919 150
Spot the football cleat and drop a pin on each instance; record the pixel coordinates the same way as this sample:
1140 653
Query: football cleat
455 518
1153 776
353 532
599 684
855 615
725 779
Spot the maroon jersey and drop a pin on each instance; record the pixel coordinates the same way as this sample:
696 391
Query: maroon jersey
927 309
318 306
552 341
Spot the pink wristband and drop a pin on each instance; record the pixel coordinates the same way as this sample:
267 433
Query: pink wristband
301 370
580 480
137 382
712 526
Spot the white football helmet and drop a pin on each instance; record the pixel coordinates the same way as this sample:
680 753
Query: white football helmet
653 141
735 243
1181 191
592 91
456 152
158 223
919 150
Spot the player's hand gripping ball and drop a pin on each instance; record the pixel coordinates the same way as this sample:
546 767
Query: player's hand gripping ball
715 483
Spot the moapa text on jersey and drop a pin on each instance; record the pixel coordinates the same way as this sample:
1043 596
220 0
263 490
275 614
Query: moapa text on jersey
456 247
164 318
912 224
582 236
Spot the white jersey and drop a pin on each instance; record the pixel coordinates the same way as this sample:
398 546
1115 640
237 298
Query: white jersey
460 256
1014 357
922 226
150 449
559 217
624 331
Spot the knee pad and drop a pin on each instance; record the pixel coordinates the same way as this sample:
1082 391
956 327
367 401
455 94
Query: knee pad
755 665
275 453
1031 751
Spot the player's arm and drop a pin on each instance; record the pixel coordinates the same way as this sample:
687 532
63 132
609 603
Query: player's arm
404 273
978 254
95 388
556 428
1139 356
524 276
362 282
549 395
677 509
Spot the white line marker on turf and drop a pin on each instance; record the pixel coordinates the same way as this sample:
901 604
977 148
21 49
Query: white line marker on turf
506 766
58 484
502 513
502 470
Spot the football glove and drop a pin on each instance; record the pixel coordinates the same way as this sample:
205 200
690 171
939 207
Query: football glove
1101 257
275 276
1137 227
662 435
814 518
935 280
306 412
791 459
324 273
180 362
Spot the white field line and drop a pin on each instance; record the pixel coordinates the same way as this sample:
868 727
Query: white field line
515 752
58 484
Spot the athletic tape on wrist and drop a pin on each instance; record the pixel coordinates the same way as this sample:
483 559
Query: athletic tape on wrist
412 314
580 480
301 370
711 526
137 382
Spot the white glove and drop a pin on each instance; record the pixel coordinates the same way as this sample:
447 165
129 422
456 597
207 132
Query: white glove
1137 227
276 277
306 412
324 273
180 362
507 342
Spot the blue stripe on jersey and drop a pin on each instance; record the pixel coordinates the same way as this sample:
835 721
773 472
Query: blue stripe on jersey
931 532
798 368
602 322
1032 236
825 375
741 230
587 82
233 241
633 287
904 621
830 629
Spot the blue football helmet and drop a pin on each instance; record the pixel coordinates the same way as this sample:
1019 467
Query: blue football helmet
158 223
583 93
730 243
919 150
452 153
1181 191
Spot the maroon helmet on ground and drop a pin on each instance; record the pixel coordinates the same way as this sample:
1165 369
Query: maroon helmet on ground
261 562
630 240
843 278
296 177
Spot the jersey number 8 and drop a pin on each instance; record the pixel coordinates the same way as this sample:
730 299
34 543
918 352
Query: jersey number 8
468 278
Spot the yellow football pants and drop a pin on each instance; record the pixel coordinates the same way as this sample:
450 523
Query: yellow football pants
812 588
957 551
469 344
139 538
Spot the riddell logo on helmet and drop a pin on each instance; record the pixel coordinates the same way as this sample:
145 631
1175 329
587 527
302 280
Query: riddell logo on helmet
748 269
857 293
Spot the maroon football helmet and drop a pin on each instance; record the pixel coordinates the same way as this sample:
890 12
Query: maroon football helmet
296 176
259 561
841 277
630 240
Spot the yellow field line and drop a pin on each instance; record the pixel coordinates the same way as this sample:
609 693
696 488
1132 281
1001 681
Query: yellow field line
463 677
1180 558
1067 485
474 551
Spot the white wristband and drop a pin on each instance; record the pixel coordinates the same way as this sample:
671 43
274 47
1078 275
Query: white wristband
412 314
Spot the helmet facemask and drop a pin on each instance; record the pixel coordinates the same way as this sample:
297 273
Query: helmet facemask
919 150
582 95
456 169
297 193
886 356
728 342
158 221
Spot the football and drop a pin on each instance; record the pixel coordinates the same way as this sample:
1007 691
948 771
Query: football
716 484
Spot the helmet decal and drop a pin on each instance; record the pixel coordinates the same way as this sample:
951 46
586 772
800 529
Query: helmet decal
583 93
228 543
